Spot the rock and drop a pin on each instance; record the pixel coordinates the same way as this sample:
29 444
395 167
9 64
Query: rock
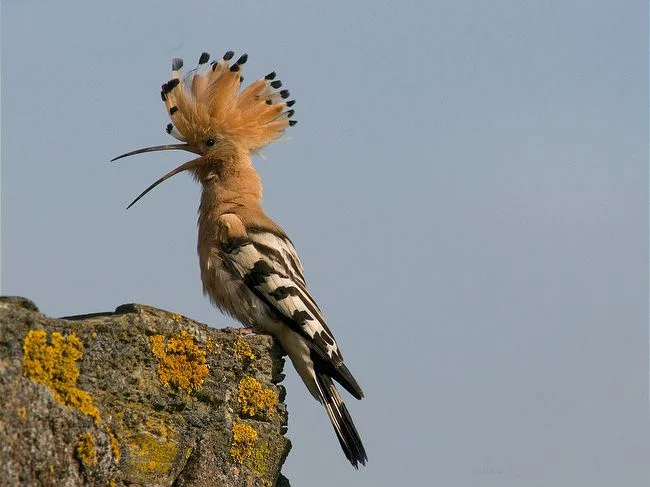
139 396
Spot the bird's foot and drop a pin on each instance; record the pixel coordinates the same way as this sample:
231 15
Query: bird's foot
243 331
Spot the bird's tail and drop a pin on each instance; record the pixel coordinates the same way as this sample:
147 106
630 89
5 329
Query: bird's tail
341 420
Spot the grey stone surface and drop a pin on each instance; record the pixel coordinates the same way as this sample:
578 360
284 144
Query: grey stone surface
139 396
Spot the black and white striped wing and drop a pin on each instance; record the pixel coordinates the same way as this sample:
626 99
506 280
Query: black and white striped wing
269 266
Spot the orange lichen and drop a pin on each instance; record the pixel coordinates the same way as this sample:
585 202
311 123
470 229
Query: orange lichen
55 365
181 363
255 399
243 441
243 350
85 449
115 445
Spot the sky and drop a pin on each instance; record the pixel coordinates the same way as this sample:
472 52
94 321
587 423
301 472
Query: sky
467 187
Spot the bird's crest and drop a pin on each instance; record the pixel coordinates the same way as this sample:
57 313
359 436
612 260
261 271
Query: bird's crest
210 100
214 118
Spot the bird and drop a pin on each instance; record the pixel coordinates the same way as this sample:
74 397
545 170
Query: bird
250 269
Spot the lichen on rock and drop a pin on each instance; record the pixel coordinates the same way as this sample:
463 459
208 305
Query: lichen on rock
243 350
151 456
181 363
115 445
181 403
256 399
55 365
85 449
243 441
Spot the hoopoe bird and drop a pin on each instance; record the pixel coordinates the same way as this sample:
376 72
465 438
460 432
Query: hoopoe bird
249 267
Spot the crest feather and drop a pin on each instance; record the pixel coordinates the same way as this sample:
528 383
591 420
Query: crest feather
209 100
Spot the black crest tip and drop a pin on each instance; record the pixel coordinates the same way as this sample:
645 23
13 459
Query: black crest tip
271 75
173 110
170 85
269 102
243 58
228 56
204 58
284 93
291 103
292 122
169 128
234 68
276 84
290 113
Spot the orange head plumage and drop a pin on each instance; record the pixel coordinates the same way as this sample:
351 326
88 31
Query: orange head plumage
217 120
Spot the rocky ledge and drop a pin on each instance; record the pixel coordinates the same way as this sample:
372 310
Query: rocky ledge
138 396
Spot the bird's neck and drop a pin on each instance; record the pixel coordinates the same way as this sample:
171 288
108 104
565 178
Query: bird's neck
236 189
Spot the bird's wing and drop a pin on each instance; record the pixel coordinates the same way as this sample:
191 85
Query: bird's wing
270 268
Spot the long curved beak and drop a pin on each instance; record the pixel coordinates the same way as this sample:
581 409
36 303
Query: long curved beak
183 167
186 147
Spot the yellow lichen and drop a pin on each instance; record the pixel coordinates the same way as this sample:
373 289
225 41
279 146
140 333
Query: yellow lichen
55 365
181 364
188 453
243 350
115 445
85 449
149 457
243 441
176 317
255 399
22 414
209 345
214 347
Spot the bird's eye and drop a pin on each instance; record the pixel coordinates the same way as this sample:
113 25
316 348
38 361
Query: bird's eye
210 142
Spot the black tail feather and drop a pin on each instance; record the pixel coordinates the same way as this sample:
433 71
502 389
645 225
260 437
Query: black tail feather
340 374
339 415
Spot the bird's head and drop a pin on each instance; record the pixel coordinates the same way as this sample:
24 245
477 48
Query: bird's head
215 119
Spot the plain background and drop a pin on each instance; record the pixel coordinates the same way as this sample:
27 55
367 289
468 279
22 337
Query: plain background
467 187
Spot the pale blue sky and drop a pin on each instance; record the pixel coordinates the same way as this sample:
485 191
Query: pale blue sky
467 187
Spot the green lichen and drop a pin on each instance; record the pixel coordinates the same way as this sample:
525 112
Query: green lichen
259 458
55 366
85 449
243 441
149 457
255 399
181 363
